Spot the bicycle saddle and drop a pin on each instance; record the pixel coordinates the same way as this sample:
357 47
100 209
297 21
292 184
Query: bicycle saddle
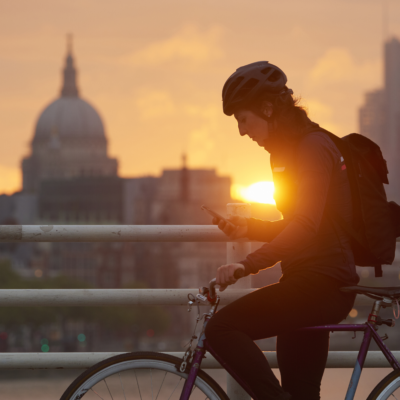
374 292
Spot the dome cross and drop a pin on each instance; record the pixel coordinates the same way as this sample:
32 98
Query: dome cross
70 87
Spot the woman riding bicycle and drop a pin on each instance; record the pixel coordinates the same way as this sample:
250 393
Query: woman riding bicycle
311 188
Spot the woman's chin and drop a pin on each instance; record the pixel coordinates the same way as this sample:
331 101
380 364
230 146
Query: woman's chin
261 143
268 145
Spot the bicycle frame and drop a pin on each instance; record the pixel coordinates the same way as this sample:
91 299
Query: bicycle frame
369 333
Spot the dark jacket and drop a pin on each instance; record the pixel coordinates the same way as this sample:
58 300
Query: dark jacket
310 178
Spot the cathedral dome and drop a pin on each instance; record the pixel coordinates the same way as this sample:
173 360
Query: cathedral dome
69 140
69 116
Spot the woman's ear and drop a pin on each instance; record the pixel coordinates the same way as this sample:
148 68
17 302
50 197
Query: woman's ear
267 108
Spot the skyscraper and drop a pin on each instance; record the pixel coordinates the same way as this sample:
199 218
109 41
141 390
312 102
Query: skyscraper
379 117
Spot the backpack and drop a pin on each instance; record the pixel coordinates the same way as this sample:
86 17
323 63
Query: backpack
376 222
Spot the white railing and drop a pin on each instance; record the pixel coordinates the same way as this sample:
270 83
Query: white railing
142 297
105 297
111 233
336 359
114 297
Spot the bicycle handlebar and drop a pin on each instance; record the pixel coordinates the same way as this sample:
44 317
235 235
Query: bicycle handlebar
239 273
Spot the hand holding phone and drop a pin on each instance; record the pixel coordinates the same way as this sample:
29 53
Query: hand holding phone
216 215
235 227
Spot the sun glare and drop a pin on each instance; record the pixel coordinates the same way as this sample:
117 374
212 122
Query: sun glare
259 192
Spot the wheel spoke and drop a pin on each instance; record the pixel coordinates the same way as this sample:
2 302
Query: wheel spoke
175 388
121 385
96 393
159 390
140 394
112 398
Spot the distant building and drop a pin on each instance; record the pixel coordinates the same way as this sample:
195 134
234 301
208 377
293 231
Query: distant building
139 195
392 97
69 139
379 117
372 116
180 194
83 200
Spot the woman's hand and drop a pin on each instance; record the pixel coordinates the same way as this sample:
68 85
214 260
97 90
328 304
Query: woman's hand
236 230
226 275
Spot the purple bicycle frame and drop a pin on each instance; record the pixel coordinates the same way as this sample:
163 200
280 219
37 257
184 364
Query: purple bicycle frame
369 333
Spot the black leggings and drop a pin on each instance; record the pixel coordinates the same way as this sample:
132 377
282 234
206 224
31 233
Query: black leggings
298 301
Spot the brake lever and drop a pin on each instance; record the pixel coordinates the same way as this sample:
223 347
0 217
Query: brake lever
212 295
204 290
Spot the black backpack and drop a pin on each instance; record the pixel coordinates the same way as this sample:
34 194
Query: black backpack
376 222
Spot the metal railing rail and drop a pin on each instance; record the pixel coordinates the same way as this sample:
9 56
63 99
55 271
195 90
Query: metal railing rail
336 359
115 297
112 233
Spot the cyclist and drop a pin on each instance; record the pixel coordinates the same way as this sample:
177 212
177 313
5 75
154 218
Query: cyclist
311 182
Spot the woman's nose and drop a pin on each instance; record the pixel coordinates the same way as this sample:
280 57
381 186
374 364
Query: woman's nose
242 131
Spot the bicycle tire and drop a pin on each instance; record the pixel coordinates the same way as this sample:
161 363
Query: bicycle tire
137 362
386 387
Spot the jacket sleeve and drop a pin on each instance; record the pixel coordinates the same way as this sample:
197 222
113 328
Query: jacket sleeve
265 231
314 164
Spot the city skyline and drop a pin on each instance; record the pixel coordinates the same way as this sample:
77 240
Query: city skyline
159 96
379 116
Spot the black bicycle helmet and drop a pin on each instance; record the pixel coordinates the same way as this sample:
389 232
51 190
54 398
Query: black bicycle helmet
251 81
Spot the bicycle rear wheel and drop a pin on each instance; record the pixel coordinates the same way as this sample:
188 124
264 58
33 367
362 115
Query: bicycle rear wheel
141 375
387 388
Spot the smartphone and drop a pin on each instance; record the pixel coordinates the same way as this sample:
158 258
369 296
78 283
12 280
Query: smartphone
216 215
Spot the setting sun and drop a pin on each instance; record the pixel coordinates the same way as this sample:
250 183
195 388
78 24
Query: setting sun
259 192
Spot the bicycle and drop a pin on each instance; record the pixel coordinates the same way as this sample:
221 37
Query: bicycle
164 376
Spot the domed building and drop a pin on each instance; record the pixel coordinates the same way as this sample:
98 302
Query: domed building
69 139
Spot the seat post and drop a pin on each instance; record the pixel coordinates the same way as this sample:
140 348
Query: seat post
378 304
375 312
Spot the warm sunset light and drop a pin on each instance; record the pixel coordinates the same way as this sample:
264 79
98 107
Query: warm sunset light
10 180
259 192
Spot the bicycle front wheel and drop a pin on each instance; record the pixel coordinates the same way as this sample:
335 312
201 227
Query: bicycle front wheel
387 388
141 375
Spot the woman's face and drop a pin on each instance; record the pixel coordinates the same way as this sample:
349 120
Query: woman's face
250 124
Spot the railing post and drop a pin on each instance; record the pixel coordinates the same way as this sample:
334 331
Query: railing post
237 251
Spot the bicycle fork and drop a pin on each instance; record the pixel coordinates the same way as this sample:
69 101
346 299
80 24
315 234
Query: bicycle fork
194 369
199 351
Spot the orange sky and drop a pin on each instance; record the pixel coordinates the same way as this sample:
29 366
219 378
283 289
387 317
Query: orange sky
155 69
